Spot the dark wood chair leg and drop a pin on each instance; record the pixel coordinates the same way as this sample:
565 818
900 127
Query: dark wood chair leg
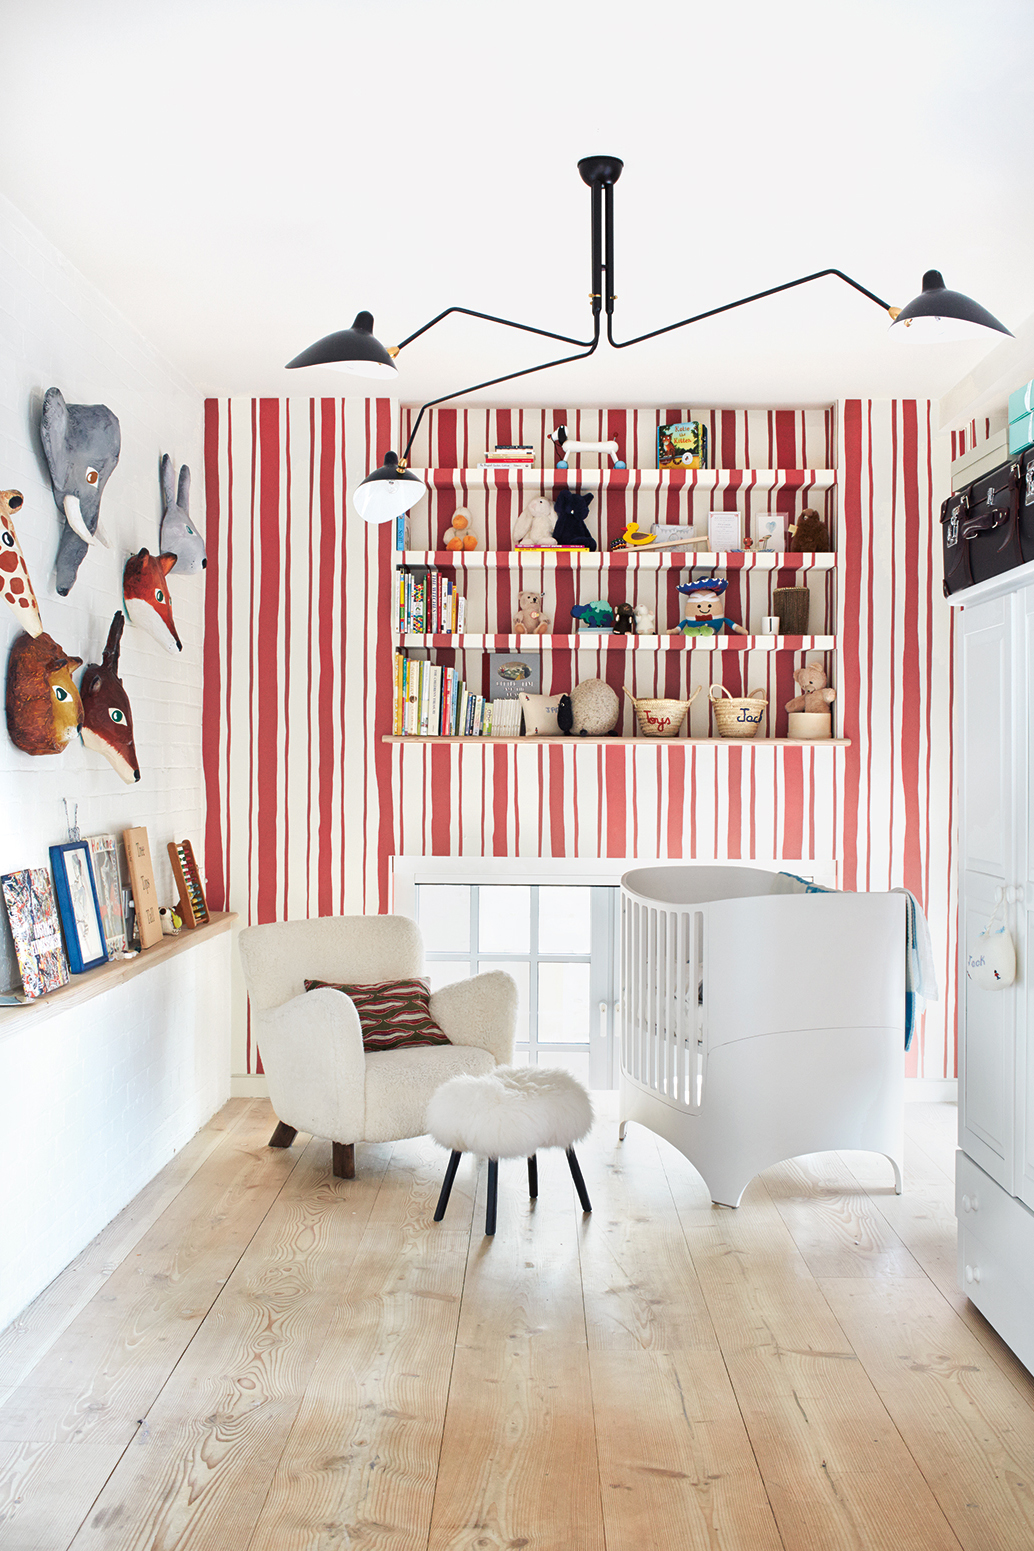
533 1177
579 1183
450 1174
493 1196
344 1160
283 1136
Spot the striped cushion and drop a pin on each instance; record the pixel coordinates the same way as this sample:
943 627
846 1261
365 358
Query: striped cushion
393 1013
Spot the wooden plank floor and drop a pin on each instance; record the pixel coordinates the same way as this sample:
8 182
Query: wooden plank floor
257 1356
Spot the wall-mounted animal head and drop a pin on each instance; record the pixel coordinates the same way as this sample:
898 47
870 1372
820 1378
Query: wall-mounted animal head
43 705
146 595
82 443
15 586
107 716
179 536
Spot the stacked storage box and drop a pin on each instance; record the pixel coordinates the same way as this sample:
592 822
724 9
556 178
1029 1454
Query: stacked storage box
1021 418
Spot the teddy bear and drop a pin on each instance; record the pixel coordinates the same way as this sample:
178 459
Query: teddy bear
460 535
534 527
572 508
810 534
529 619
814 696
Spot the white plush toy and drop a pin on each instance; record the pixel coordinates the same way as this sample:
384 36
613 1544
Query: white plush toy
645 620
534 527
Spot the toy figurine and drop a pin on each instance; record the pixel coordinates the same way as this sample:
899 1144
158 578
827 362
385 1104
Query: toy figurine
624 620
565 446
645 620
704 599
810 535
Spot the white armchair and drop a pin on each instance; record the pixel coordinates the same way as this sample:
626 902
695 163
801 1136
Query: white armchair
320 1078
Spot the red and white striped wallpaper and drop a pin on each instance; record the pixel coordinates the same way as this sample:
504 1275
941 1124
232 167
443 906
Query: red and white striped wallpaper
306 802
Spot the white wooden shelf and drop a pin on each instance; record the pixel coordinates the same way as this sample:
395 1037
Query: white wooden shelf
94 982
589 642
629 479
644 559
678 742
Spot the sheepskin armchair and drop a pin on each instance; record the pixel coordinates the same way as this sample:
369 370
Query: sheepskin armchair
320 1078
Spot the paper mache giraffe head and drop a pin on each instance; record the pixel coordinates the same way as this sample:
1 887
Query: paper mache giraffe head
15 586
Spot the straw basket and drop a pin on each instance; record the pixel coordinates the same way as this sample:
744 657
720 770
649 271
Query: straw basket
661 718
737 717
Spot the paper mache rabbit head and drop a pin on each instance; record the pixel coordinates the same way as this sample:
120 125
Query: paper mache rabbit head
178 534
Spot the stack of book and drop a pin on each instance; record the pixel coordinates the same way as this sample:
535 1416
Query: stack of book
427 602
433 701
516 455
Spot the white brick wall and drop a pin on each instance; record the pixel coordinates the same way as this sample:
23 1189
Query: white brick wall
96 1100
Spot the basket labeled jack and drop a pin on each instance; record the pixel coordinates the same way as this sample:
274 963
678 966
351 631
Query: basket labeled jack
737 716
661 718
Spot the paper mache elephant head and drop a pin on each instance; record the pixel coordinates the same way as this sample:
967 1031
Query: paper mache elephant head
43 705
107 714
82 443
15 585
179 536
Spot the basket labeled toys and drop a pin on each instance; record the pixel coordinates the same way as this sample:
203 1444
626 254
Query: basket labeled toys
661 718
737 716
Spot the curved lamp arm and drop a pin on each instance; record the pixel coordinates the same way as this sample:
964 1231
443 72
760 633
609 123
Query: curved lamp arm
489 317
712 312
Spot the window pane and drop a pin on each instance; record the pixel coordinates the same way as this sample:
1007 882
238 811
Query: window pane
571 1061
445 972
520 974
563 1002
504 920
564 925
443 911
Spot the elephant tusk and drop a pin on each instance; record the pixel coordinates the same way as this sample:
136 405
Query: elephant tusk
74 519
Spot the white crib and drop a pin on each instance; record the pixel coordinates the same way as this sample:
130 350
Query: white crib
759 1025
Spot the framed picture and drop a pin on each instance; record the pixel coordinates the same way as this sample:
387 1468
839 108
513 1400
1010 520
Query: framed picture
78 905
104 855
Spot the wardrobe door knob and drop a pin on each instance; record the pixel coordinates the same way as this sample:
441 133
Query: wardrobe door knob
972 1273
971 1203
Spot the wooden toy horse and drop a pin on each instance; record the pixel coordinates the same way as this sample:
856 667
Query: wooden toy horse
15 586
146 597
107 715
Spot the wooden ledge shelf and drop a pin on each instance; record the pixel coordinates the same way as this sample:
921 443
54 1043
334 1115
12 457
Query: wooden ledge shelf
588 642
645 559
94 982
642 743
629 479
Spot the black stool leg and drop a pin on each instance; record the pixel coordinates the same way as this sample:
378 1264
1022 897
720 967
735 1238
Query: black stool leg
450 1174
579 1183
493 1196
533 1177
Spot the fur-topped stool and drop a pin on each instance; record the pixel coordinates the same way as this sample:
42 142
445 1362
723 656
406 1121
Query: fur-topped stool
509 1113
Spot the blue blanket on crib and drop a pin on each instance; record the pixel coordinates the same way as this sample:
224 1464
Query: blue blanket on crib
920 977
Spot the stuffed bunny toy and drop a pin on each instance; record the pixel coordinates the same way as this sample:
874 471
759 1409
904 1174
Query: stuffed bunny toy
534 527
178 534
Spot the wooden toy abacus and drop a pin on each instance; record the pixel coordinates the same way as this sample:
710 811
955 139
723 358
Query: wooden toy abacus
193 910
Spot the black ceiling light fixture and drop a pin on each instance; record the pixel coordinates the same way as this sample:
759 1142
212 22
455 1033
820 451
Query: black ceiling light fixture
936 314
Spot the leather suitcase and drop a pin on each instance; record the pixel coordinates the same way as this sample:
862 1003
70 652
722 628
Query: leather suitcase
988 528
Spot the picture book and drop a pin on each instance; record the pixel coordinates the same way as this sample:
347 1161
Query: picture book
511 672
682 446
29 897
104 854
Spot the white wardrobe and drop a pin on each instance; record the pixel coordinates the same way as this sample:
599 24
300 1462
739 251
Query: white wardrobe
994 1196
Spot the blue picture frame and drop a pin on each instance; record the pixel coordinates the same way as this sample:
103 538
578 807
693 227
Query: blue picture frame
75 889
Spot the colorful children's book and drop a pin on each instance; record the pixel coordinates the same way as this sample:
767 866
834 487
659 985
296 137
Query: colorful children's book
29 897
682 446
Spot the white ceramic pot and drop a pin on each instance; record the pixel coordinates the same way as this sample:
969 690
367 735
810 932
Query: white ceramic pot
809 724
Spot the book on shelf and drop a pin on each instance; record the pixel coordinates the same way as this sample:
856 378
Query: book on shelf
427 602
682 445
33 918
506 718
402 531
431 700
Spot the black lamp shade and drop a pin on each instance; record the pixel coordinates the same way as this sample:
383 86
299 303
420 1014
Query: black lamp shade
940 314
352 350
387 492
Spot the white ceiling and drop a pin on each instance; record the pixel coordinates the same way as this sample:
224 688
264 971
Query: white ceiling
242 176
